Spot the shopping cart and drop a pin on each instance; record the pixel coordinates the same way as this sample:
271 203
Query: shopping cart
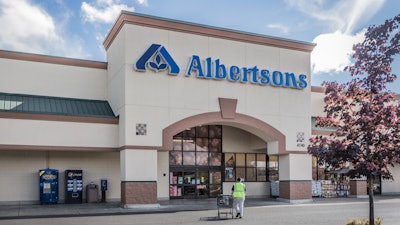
225 206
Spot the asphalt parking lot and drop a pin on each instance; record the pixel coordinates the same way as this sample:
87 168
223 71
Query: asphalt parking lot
320 211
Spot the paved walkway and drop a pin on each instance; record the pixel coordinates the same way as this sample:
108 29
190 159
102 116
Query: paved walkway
103 209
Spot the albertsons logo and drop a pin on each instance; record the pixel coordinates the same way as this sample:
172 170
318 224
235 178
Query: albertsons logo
158 59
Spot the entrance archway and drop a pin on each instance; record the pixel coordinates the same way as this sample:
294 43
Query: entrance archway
275 139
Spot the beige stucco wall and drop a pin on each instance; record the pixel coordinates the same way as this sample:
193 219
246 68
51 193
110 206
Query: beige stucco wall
253 189
163 175
295 167
20 179
159 100
317 104
237 140
52 133
138 165
37 78
392 186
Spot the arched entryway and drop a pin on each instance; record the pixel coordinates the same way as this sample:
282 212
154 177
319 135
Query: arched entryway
275 139
199 167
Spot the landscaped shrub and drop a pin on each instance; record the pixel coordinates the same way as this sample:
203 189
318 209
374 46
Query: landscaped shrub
378 221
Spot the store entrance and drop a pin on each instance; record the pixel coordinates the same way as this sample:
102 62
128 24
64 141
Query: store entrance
195 163
194 184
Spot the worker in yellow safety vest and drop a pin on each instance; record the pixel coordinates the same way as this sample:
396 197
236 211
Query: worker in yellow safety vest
239 194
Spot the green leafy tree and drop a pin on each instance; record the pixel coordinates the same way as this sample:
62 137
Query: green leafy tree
365 113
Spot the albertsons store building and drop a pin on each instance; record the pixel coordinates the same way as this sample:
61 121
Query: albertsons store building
179 110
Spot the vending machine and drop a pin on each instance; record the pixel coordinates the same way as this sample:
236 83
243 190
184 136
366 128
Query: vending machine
73 186
48 186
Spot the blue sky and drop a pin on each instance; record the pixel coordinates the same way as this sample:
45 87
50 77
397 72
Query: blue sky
76 29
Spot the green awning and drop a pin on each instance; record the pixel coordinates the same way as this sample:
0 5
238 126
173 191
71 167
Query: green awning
54 105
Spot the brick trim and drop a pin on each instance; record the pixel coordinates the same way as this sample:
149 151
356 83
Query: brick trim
358 187
295 190
138 192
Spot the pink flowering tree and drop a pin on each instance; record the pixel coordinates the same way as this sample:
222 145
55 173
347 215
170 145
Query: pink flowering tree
365 113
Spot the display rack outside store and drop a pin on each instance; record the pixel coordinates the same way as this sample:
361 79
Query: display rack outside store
330 189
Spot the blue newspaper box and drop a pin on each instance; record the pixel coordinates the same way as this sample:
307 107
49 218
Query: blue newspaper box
48 185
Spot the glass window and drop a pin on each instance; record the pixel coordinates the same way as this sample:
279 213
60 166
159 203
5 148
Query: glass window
251 160
196 149
273 168
189 158
188 144
251 174
189 178
261 174
215 177
215 131
215 145
177 143
230 174
230 160
202 158
261 160
215 190
202 131
241 160
250 166
202 144
241 172
215 159
189 132
175 177
175 158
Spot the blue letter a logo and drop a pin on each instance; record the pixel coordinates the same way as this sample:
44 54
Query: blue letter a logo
157 58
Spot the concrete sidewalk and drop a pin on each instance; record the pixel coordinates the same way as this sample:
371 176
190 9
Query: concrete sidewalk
114 208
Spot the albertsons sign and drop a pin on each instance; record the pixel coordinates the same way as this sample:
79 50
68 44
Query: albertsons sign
158 59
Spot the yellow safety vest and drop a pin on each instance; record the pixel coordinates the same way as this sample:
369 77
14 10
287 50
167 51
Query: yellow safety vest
239 190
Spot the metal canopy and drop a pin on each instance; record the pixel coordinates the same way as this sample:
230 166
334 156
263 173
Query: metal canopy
54 105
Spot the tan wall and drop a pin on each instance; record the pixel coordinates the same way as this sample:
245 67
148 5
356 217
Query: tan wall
159 99
392 186
36 78
51 133
253 189
20 179
237 140
317 103
163 175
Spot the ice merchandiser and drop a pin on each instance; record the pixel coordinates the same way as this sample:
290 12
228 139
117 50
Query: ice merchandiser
73 186
48 186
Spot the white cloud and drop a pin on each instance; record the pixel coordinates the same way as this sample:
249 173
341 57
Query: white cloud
333 51
143 2
280 27
25 27
103 11
341 15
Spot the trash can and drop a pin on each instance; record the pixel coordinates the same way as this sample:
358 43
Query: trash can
92 193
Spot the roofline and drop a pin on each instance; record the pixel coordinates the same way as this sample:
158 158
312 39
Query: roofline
52 59
199 29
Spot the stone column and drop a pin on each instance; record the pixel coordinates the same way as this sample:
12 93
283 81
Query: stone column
138 177
295 171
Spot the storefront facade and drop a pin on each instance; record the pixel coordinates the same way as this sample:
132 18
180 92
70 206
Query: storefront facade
192 108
